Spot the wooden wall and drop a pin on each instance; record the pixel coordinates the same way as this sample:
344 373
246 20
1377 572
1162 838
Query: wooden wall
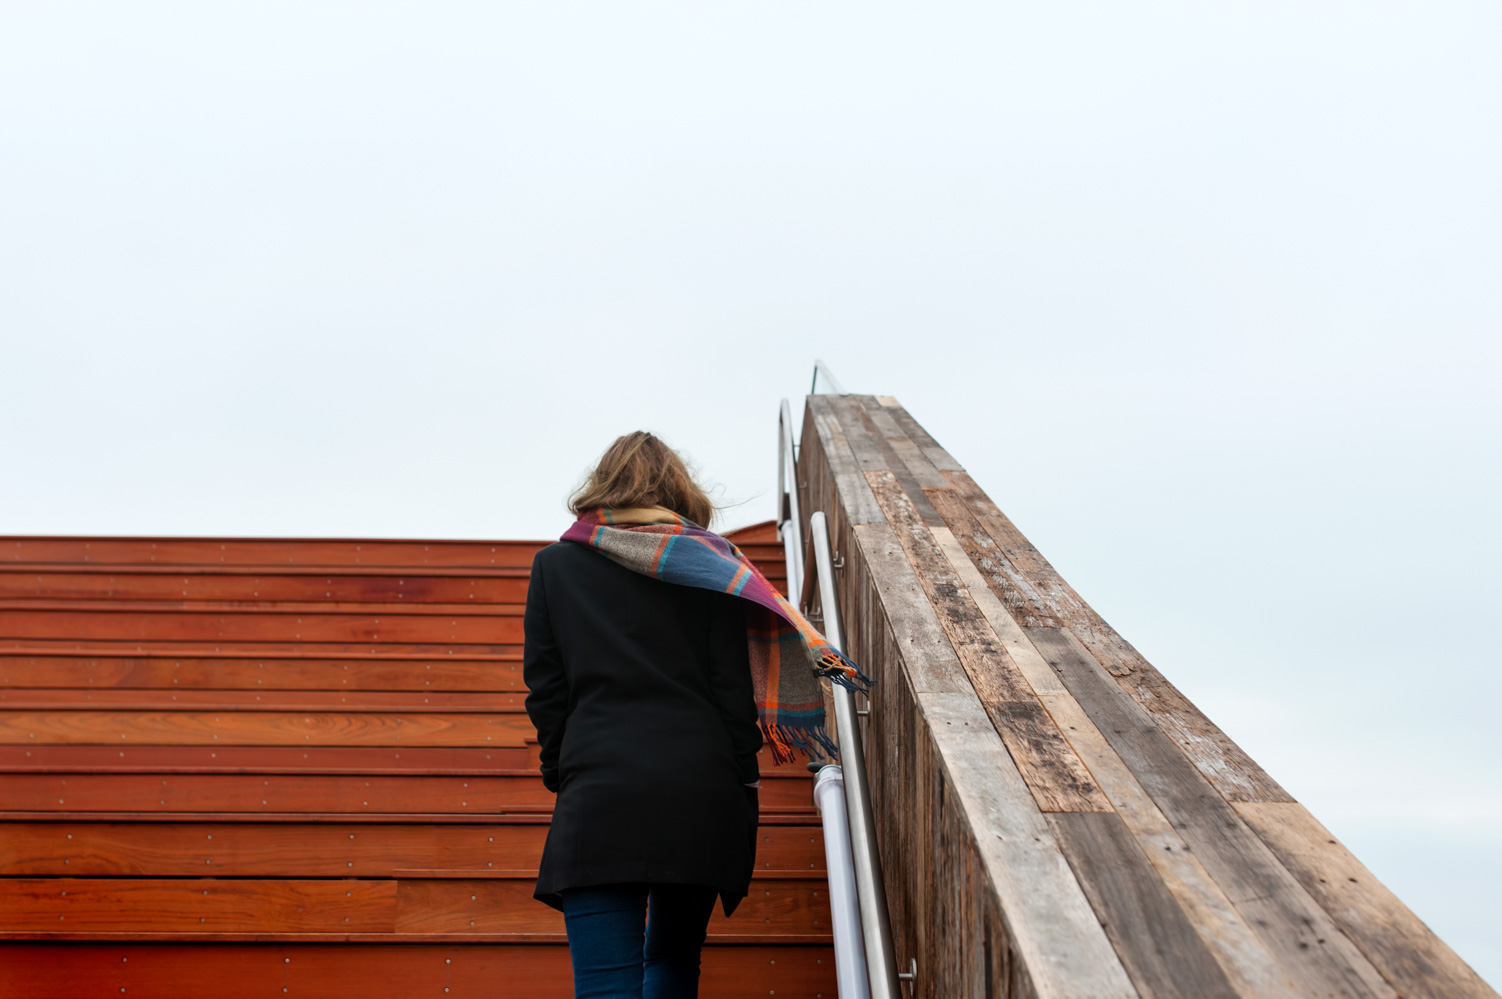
1055 818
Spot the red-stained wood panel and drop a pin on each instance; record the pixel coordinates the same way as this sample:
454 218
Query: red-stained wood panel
372 971
203 908
261 699
499 673
268 552
256 793
267 759
196 906
502 625
375 651
296 759
503 586
443 906
262 728
224 849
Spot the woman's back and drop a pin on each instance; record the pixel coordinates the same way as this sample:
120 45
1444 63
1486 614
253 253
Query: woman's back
641 693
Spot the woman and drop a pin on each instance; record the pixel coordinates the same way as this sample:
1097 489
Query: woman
652 646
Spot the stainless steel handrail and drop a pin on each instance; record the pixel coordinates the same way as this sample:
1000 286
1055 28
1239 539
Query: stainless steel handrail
820 368
789 516
870 889
871 892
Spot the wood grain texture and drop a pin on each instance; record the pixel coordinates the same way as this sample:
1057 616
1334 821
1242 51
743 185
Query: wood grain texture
261 728
168 672
946 912
1417 963
1056 935
774 907
1056 777
198 906
1038 597
365 850
1299 935
1152 934
472 795
65 698
504 586
502 625
373 971
278 552
835 459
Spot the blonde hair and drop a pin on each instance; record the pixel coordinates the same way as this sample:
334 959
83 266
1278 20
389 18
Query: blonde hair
638 469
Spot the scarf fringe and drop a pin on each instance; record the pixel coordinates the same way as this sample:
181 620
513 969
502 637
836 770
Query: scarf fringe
809 739
843 671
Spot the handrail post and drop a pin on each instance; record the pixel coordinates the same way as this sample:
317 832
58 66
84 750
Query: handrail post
876 927
790 527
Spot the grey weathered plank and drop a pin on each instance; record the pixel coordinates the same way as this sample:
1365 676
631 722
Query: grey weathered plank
1300 935
1055 933
849 412
1037 596
927 657
1247 963
1153 936
940 458
1413 959
1057 778
853 493
856 410
912 457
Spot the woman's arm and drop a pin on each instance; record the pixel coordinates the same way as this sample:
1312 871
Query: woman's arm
730 684
542 670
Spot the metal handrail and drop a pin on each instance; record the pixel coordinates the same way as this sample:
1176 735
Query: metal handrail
871 893
789 517
820 368
870 890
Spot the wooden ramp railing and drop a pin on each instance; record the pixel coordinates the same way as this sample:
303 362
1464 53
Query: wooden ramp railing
1055 818
251 768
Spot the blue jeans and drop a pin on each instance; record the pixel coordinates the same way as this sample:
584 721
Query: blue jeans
616 957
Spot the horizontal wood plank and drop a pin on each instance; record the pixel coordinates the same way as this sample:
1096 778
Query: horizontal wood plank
258 728
167 672
198 906
502 625
192 849
259 699
373 971
267 552
307 792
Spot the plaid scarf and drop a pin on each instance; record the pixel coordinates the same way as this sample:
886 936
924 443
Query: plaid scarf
787 655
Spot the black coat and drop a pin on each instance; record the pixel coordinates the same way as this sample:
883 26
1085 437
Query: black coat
640 691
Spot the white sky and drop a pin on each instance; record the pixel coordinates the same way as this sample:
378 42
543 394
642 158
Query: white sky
1205 295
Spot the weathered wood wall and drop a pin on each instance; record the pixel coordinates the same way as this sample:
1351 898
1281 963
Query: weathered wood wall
1055 818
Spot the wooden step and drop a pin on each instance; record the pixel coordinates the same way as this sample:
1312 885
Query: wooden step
268 552
334 849
258 699
499 586
41 970
300 552
790 910
255 793
294 759
501 672
503 625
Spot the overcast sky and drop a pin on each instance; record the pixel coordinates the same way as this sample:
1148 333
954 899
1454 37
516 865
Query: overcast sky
1205 295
